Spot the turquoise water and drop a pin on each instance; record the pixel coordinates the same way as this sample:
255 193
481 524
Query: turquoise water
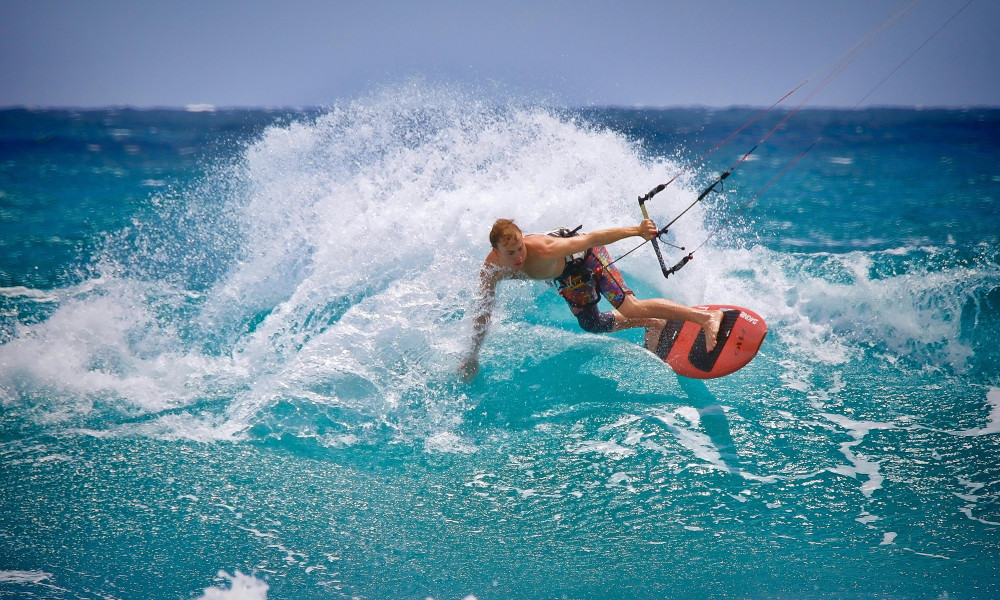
229 343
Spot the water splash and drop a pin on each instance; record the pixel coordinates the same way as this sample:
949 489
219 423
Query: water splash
315 286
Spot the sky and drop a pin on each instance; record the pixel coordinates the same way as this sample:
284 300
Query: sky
298 53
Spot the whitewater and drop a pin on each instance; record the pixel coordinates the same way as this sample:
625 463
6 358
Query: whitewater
229 345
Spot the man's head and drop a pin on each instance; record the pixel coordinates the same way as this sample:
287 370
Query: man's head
508 241
504 232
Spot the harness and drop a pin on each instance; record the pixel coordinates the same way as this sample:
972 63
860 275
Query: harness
578 273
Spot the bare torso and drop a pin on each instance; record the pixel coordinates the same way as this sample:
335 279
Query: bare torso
539 261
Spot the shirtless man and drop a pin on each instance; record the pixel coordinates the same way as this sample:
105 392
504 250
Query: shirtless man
581 280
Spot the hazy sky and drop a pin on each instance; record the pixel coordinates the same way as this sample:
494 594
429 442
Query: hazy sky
88 53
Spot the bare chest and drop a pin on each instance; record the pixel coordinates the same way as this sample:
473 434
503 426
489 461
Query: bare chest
538 268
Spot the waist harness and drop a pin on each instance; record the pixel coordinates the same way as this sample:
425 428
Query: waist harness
576 283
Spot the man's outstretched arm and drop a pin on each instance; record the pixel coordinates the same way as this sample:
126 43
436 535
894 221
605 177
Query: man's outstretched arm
555 246
483 314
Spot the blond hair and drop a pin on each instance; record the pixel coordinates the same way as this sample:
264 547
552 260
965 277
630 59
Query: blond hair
504 231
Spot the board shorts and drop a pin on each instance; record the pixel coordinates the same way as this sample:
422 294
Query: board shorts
584 281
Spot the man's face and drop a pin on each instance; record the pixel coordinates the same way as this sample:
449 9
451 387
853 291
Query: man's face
513 253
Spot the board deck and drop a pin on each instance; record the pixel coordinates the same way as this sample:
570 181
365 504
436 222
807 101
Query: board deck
682 343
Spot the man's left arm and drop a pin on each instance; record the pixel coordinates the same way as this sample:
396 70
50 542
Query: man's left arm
602 237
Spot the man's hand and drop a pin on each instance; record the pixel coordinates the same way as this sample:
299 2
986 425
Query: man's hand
648 230
468 369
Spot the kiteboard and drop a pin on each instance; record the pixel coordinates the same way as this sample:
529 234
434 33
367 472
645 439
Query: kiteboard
682 343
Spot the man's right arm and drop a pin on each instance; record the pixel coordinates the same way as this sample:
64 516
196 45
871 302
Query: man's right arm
483 313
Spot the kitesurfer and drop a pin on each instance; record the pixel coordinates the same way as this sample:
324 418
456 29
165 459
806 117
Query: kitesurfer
582 271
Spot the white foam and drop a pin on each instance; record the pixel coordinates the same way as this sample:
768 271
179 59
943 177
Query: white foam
36 578
860 465
992 420
448 442
604 447
24 576
242 587
105 348
972 498
618 479
20 291
682 424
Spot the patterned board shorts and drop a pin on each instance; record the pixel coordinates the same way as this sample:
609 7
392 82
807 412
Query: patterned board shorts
582 292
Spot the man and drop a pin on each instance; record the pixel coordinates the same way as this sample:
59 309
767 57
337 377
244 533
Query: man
582 270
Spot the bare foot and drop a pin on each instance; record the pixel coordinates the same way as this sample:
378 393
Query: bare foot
711 328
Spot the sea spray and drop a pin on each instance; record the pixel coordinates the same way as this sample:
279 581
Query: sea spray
255 374
330 263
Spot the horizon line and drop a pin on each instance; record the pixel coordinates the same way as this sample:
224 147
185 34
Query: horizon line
211 108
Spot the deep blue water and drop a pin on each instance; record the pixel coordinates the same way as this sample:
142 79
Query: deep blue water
228 344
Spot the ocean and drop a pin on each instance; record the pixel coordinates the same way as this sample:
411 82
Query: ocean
229 342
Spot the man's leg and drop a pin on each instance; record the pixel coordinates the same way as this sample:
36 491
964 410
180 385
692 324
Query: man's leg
653 328
633 309
592 320
633 312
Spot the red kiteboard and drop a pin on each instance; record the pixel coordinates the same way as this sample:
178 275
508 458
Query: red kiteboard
682 343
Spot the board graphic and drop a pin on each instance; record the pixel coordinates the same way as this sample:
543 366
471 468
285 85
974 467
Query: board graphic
682 343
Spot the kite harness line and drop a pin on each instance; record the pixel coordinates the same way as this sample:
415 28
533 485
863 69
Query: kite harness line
718 185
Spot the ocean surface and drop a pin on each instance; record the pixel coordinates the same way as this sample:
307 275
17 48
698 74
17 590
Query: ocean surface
229 342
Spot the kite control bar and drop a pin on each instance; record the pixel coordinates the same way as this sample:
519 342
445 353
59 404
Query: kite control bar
656 246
